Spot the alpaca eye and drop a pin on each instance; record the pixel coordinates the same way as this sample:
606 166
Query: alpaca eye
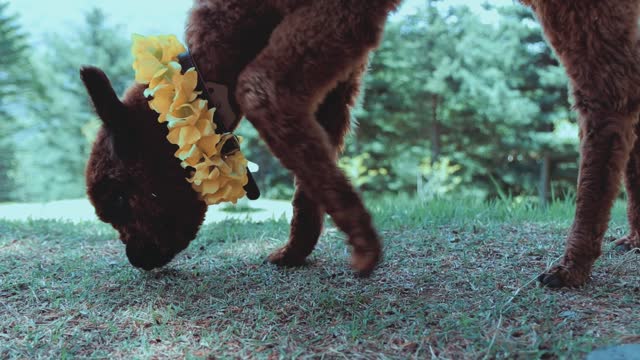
118 210
120 202
111 200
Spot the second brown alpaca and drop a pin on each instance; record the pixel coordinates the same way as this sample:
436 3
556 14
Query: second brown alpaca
597 42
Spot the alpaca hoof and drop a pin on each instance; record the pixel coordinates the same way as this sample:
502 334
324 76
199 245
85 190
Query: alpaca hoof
285 258
560 276
626 244
364 262
552 281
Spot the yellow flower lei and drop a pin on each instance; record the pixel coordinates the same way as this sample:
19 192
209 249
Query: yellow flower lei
218 178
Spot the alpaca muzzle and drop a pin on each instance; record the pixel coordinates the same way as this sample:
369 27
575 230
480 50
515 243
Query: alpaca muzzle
147 258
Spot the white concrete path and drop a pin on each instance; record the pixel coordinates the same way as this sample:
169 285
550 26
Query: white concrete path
81 210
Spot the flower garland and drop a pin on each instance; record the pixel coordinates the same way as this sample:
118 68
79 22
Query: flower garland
216 176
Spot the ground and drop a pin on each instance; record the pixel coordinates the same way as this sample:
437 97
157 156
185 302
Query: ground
457 281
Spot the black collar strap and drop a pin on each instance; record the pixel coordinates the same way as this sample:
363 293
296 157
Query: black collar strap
217 97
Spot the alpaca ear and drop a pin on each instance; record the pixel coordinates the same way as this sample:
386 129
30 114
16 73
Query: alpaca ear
105 101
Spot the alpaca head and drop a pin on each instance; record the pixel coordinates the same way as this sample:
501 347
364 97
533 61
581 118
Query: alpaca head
133 179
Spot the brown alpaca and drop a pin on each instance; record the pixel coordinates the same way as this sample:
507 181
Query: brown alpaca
295 67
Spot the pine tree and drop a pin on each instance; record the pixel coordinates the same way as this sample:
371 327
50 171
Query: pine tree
538 76
62 124
487 100
13 46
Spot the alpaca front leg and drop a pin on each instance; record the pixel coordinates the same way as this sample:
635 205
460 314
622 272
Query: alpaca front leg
309 53
334 116
306 226
305 151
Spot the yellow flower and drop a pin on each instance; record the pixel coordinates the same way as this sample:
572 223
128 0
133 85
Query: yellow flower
185 87
147 67
164 48
217 177
162 99
153 54
165 76
209 139
221 178
216 186
145 45
190 155
235 164
186 114
182 123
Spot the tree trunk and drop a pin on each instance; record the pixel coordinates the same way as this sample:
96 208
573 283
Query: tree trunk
436 146
545 179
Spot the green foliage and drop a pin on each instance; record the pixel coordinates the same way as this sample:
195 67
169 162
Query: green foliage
13 47
14 70
451 105
361 169
490 99
437 178
62 124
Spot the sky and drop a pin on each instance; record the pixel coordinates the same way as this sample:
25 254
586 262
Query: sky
147 17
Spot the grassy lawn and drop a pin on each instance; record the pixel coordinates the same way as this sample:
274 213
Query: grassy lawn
457 282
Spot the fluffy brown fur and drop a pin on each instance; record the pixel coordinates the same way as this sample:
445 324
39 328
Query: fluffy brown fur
134 181
295 67
596 40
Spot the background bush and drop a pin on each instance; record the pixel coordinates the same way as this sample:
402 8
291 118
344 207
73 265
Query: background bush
451 104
